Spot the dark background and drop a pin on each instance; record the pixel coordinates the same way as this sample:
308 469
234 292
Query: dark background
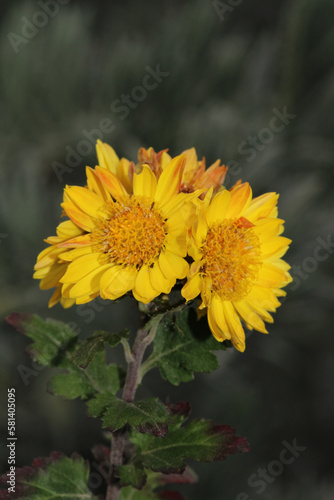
227 73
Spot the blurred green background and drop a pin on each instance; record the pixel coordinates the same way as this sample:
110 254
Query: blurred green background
229 67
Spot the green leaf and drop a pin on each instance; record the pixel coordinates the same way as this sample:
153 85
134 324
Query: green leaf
132 474
90 347
52 339
85 383
148 415
54 478
200 440
182 347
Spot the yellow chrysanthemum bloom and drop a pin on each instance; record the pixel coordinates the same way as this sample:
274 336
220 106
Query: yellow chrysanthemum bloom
237 268
118 242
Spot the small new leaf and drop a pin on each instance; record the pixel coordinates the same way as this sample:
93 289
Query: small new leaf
53 478
182 347
148 415
90 347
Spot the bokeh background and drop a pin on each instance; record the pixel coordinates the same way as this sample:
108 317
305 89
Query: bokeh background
228 66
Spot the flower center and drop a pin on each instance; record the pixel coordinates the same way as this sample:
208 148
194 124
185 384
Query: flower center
231 258
133 233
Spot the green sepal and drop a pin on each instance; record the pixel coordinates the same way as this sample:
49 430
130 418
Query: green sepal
183 346
147 415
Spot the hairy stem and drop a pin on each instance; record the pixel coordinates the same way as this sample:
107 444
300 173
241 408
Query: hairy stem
143 339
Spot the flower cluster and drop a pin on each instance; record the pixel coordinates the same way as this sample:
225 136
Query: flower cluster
139 228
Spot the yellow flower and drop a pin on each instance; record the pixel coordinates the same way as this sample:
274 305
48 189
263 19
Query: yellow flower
237 269
119 242
195 176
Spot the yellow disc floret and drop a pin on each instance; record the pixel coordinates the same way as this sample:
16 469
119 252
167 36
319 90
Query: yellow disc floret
133 232
231 258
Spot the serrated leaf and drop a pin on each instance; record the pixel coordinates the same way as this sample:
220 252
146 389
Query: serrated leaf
200 440
51 339
148 415
54 478
78 382
182 347
90 347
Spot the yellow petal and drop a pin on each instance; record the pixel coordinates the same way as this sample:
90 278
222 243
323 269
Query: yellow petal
250 316
117 281
145 183
218 207
267 228
173 265
106 156
81 241
87 201
240 199
85 298
76 252
53 276
67 230
177 242
234 326
260 207
56 296
47 257
89 284
95 185
143 290
271 276
215 313
159 281
264 298
81 267
274 246
170 180
78 217
124 172
111 183
192 288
